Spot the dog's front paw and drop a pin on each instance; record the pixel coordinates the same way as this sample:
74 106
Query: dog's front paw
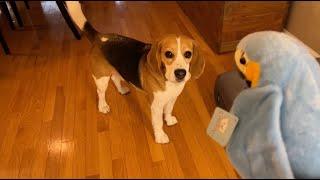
104 108
161 137
171 120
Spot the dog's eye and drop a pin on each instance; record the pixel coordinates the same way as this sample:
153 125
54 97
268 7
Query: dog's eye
168 54
243 61
187 54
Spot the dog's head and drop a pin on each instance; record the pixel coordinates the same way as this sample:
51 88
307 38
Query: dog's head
176 58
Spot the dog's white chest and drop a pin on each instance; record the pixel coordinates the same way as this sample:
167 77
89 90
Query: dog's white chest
171 91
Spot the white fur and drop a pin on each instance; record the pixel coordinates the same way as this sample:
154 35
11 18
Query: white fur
104 39
116 78
102 85
76 13
171 120
163 103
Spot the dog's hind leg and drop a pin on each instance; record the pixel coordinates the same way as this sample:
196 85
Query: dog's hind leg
117 78
102 85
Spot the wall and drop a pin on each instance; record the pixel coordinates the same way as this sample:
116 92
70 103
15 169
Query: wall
304 23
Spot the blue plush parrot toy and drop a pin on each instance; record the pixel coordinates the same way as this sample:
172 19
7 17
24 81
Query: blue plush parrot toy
278 135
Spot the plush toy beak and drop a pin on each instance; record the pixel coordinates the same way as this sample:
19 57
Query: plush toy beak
252 73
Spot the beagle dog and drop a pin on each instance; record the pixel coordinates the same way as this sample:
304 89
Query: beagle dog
160 69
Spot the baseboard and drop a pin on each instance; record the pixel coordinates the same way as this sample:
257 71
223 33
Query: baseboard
313 52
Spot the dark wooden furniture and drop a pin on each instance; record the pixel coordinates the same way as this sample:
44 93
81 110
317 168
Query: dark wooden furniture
62 7
16 12
27 4
5 11
222 24
4 44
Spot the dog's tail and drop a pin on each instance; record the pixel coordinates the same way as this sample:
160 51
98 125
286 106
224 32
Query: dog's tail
76 13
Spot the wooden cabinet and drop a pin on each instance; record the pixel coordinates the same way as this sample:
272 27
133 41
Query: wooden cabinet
222 24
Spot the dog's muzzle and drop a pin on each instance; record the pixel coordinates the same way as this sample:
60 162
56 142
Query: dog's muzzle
180 74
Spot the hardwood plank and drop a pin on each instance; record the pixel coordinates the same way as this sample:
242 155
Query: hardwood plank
119 168
66 159
79 170
155 149
8 143
92 147
184 155
38 166
33 121
56 144
172 161
105 159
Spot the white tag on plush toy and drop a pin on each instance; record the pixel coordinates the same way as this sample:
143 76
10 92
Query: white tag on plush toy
222 126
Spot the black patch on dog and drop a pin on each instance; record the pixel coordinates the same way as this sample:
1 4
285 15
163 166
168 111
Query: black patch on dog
124 54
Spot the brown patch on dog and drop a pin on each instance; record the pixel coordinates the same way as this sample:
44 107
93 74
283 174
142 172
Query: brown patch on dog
197 63
99 65
151 70
168 43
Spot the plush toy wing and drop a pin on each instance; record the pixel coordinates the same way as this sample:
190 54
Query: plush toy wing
256 148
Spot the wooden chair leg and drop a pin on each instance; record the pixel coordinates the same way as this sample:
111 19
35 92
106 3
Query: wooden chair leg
68 19
5 10
4 44
27 4
16 12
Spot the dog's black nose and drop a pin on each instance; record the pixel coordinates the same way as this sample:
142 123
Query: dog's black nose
180 73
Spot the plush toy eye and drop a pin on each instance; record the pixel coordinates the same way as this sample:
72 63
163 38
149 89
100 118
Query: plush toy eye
187 54
168 54
243 61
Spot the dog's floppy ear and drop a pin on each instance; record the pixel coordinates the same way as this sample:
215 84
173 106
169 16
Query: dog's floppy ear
197 62
154 58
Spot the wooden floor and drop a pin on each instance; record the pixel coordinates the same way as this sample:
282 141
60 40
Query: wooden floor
49 123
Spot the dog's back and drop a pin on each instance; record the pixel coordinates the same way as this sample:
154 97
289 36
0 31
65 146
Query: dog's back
124 55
